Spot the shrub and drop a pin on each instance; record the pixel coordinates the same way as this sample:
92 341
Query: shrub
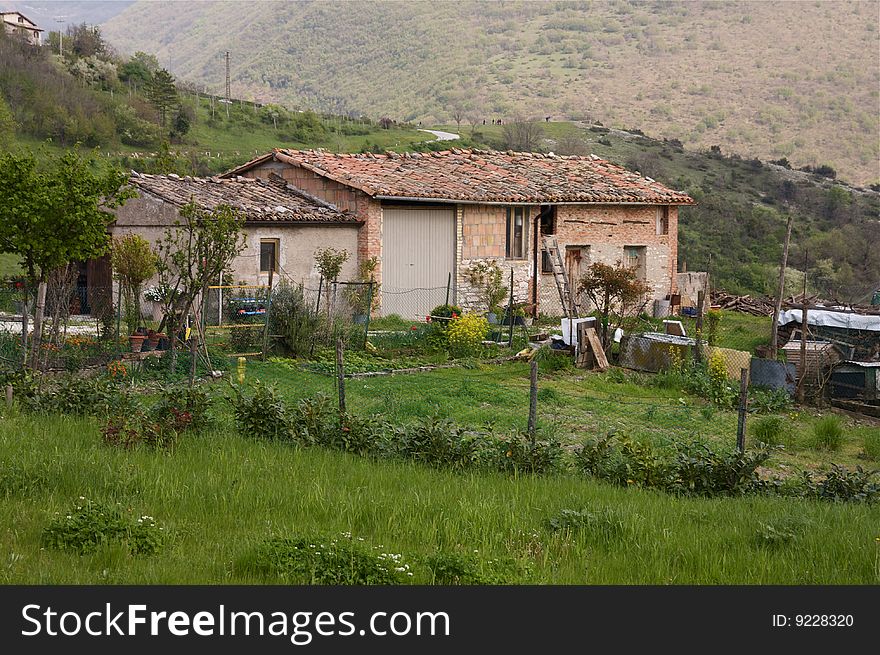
551 360
75 395
442 443
310 421
91 526
603 526
767 401
519 454
842 484
294 320
366 437
262 414
487 278
186 408
325 561
466 334
703 471
712 321
772 536
448 568
827 433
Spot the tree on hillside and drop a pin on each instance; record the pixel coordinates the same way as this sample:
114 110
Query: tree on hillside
139 69
52 217
613 289
85 41
162 93
522 135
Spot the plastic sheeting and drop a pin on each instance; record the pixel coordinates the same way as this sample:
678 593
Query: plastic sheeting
825 318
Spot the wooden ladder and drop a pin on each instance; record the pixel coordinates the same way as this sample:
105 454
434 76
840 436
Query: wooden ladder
566 297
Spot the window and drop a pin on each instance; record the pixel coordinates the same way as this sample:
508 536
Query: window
634 258
515 230
268 255
663 220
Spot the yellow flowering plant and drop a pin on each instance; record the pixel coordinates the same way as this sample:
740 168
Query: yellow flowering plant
465 334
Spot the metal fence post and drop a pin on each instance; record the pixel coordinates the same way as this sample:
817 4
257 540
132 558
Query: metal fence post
743 406
510 312
369 311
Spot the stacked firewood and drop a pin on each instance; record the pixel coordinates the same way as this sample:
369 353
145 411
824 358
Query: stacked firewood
756 306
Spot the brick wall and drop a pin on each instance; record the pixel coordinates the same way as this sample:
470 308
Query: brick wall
482 235
607 230
369 241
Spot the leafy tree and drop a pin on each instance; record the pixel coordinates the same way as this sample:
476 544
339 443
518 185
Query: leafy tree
52 217
182 121
613 289
139 69
191 256
7 124
85 41
162 93
134 262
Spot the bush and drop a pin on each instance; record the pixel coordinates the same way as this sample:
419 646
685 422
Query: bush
602 526
310 421
442 443
324 561
465 335
551 360
91 526
187 408
842 484
827 433
449 568
519 454
294 320
262 414
76 396
767 401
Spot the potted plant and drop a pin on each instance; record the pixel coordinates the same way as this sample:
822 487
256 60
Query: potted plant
136 342
152 342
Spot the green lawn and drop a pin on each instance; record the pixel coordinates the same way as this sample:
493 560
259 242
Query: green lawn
220 493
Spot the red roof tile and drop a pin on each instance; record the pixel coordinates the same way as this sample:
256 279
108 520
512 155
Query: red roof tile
481 176
260 200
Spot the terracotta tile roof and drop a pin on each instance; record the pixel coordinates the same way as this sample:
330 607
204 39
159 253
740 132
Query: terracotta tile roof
260 200
481 176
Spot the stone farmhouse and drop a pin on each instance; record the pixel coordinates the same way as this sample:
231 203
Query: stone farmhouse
428 217
16 23
283 225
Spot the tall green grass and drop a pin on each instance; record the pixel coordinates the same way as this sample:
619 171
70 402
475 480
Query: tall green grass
220 494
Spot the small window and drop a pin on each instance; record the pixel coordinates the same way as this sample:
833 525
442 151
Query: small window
662 220
268 255
546 263
634 258
515 230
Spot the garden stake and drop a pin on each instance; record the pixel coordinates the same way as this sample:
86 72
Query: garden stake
369 311
266 318
448 285
743 405
510 312
340 376
698 348
533 399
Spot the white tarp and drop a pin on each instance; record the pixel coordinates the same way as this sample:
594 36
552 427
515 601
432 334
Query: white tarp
825 318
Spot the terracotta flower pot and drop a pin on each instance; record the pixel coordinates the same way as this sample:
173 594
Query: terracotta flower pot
136 341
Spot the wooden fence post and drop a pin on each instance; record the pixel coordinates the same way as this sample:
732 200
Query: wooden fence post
698 348
533 399
340 376
743 407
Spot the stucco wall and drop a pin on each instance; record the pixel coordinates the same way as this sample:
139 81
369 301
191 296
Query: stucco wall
150 217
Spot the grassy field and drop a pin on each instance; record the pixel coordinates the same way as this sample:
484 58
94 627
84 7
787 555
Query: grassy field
219 494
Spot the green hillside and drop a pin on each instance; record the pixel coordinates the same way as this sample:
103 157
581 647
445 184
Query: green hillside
739 220
788 79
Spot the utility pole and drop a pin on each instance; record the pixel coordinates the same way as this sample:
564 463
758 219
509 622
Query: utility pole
60 21
780 290
227 84
803 376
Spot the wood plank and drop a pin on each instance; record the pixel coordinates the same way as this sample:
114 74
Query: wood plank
598 351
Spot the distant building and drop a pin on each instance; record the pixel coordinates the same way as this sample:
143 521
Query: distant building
15 22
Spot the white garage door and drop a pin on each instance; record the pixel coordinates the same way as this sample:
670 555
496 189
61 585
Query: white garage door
418 254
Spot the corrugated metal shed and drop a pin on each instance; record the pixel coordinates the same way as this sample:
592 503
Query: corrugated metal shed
856 380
